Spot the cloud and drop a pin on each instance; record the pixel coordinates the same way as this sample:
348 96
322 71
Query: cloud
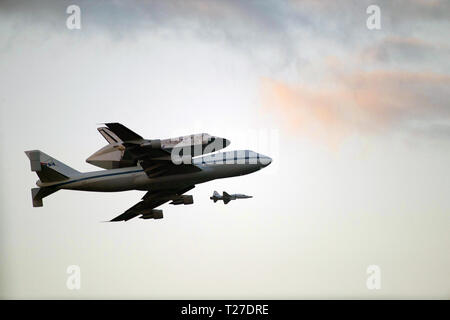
360 102
409 52
257 29
381 79
271 33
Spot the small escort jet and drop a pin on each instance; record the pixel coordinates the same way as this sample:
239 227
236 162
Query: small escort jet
225 197
165 169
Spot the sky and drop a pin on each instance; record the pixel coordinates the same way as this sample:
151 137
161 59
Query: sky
356 120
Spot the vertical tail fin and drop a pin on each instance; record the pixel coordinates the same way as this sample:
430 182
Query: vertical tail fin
49 169
225 197
110 136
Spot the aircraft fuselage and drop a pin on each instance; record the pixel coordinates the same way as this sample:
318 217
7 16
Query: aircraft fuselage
134 178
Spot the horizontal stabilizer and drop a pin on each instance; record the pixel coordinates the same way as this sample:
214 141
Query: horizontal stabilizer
37 201
37 194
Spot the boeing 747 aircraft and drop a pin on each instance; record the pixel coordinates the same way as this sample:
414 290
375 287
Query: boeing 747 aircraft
166 169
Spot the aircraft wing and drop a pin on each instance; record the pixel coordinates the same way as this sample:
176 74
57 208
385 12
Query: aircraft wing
151 200
155 160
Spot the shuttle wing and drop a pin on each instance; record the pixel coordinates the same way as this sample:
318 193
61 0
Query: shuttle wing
150 201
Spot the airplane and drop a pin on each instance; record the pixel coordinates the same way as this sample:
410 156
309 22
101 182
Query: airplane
165 169
225 197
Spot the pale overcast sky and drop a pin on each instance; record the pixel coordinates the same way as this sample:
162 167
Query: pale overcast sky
357 122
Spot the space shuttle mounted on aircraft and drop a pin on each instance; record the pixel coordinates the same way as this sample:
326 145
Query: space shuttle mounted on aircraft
166 169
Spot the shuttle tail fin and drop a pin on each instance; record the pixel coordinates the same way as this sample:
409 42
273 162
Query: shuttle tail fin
110 136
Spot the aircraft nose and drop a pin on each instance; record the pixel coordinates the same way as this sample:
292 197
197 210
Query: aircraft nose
264 160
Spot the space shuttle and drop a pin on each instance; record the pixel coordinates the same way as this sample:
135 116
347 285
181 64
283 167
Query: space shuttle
122 144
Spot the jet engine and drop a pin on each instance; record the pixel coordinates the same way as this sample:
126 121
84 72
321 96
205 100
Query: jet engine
183 200
153 214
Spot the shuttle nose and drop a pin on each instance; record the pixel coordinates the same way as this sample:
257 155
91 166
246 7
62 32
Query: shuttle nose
225 142
219 142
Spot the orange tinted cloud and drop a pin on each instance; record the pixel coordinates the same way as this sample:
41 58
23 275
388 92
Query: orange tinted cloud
359 102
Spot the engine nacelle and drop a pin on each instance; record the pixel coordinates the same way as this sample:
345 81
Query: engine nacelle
157 214
153 214
186 199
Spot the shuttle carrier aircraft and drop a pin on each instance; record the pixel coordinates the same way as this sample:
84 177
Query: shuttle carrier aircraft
166 169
